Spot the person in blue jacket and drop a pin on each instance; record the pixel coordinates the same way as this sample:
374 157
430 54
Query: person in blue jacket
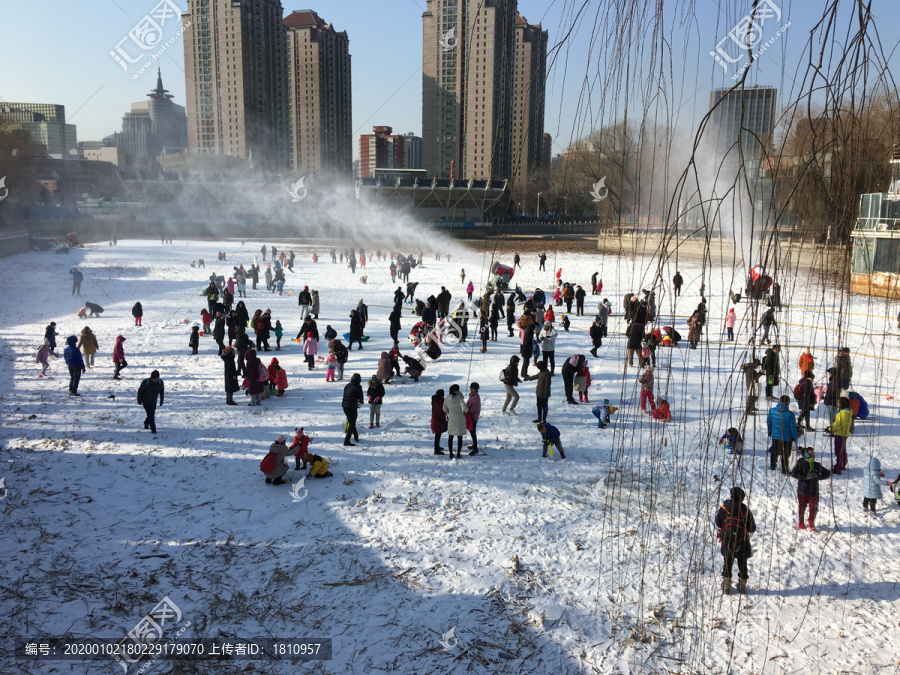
873 479
782 427
75 362
550 434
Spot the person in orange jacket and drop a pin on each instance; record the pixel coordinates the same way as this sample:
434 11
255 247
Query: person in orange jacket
806 362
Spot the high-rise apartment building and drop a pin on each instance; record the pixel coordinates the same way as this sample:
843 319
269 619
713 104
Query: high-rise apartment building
320 101
412 146
468 54
747 115
528 113
382 149
236 80
546 149
46 123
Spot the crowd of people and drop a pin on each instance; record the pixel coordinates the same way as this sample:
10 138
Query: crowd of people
241 337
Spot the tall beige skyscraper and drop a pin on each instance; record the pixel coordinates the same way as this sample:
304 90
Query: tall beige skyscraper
320 98
468 53
236 80
528 113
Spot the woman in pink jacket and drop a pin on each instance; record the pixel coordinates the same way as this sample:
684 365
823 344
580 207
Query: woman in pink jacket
473 405
118 356
730 320
310 349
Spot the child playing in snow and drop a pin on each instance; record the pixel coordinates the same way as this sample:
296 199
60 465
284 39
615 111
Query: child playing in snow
550 436
583 389
300 446
662 412
43 357
279 331
206 320
873 479
602 413
647 403
310 349
732 442
566 323
194 340
273 375
330 365
280 383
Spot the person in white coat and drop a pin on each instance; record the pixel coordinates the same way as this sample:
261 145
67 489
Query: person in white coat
455 409
547 338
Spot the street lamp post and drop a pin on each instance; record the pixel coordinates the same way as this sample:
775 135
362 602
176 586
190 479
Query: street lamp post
539 205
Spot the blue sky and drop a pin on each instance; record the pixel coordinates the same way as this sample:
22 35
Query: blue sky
57 51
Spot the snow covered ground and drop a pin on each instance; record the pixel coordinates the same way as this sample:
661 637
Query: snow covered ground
619 564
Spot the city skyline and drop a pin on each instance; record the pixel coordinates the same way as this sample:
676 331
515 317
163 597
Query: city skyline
386 74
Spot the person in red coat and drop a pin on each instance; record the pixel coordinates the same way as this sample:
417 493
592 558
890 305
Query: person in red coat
549 315
206 319
438 420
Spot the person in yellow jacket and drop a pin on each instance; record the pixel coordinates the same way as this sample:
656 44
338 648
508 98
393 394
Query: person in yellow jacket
87 343
318 466
841 428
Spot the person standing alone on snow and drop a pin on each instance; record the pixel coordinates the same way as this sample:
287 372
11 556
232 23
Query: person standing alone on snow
735 522
151 389
77 278
118 357
138 313
75 362
353 399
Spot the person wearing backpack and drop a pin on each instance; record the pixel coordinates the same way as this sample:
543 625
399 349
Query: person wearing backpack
509 376
735 524
805 395
808 473
274 465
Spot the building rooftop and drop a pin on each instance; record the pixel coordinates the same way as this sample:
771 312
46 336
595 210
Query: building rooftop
303 17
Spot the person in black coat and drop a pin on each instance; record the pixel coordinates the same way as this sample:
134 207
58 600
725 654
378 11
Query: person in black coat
677 283
735 522
231 378
526 348
194 340
353 399
242 344
356 329
309 326
807 400
511 313
596 332
50 335
429 314
569 371
635 336
219 332
395 322
138 313
579 301
399 296
772 365
254 275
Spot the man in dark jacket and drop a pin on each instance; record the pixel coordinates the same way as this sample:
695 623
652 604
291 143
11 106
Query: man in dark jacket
231 378
410 289
356 329
677 283
443 302
77 278
511 313
399 296
772 367
807 399
241 346
526 348
579 301
151 389
569 371
429 314
808 473
543 261
542 391
635 334
735 522
304 300
353 399
751 378
394 318
75 362
844 368
310 326
219 332
768 322
832 393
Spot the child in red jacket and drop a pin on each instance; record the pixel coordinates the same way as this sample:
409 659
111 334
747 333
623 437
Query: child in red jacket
583 392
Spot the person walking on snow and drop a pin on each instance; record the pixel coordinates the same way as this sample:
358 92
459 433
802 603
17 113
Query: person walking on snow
75 363
735 523
677 283
375 395
730 320
151 389
648 405
510 378
310 349
808 472
118 357
782 428
806 362
43 357
77 278
351 402
873 479
87 343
